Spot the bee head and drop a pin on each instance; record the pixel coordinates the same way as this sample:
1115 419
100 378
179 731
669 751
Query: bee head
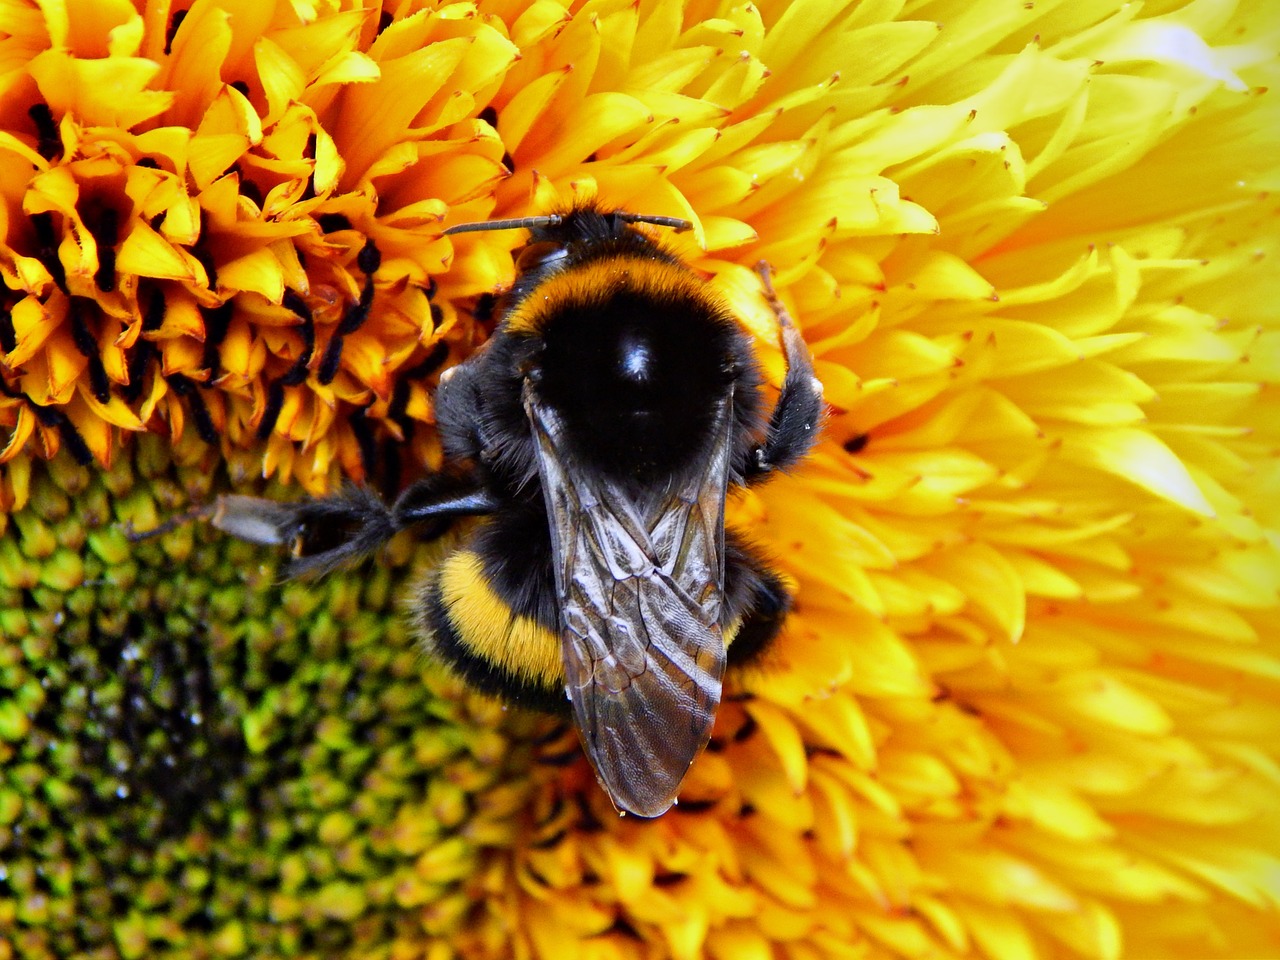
629 346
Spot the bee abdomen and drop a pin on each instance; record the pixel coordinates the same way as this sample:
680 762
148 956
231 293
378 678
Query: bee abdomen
466 623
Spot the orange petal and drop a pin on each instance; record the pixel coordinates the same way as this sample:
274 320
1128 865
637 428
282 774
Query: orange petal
65 364
148 254
33 322
193 68
258 271
115 412
110 93
21 433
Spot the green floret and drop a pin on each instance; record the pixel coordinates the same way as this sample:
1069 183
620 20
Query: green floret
199 760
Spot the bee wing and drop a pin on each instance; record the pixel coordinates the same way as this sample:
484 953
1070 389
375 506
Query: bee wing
640 589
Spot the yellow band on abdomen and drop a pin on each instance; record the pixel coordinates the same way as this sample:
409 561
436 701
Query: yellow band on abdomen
488 628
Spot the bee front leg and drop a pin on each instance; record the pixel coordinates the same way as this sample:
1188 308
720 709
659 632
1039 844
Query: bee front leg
797 417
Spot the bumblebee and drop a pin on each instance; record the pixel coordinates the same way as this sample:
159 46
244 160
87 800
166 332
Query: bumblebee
596 434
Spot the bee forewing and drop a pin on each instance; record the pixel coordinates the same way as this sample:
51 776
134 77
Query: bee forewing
640 587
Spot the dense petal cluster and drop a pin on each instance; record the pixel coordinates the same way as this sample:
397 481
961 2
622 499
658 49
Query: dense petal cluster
1027 703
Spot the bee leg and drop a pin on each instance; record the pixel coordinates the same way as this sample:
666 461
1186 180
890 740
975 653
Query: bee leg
756 598
797 418
326 532
439 499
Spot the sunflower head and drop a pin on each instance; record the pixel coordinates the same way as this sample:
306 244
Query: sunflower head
1025 703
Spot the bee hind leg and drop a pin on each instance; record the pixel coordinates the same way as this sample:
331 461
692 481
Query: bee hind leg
755 598
328 532
323 532
440 498
797 417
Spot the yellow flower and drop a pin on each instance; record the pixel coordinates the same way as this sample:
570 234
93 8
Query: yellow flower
1026 705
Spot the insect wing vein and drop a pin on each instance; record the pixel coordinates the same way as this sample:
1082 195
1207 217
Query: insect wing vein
640 587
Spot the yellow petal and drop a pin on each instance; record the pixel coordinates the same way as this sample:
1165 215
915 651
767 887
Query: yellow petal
22 429
1137 456
148 254
257 270
65 365
782 735
114 412
111 92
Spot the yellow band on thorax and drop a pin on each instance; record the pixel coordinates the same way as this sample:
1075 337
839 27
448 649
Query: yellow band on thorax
595 282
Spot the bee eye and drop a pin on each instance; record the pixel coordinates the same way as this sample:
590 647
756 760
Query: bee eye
541 254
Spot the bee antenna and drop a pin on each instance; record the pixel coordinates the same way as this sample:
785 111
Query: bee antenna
555 219
676 223
519 223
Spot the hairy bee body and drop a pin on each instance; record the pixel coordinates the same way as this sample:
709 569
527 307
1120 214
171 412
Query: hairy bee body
499 630
596 434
